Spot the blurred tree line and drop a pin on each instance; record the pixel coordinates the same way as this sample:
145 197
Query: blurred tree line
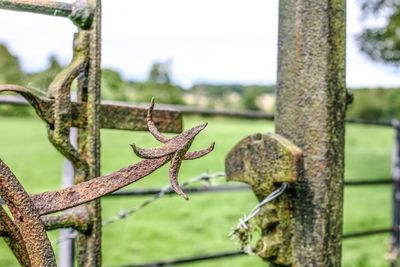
381 41
369 104
114 87
375 104
159 84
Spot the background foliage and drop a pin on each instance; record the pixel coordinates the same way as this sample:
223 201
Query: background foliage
114 87
371 104
381 43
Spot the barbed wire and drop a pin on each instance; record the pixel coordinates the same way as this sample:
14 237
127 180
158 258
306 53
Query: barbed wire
206 177
243 222
243 233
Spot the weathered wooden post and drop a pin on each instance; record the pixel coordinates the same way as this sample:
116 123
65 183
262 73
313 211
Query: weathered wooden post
311 106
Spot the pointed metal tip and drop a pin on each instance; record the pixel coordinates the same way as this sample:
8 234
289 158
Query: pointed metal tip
192 132
212 146
182 194
151 107
185 197
178 190
201 126
134 148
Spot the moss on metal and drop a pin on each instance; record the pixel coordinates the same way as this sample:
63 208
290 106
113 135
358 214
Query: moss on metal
52 8
311 106
88 246
80 12
264 161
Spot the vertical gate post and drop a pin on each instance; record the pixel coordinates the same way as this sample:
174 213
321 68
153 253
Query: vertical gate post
311 105
88 246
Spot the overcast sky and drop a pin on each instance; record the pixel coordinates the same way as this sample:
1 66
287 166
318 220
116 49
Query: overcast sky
229 41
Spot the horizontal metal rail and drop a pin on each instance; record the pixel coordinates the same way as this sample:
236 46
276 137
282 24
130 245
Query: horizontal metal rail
225 188
221 188
123 117
230 254
187 110
190 259
45 7
197 189
246 114
369 182
387 123
367 233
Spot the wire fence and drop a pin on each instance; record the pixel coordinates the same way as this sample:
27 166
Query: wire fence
205 177
157 193
236 253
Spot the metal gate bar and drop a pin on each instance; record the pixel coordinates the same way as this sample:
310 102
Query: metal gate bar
311 107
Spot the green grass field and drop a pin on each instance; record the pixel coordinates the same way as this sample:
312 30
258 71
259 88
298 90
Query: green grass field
172 227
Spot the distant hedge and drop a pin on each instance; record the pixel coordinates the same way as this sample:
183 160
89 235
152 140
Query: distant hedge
375 104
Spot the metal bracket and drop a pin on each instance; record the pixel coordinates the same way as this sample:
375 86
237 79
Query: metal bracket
265 161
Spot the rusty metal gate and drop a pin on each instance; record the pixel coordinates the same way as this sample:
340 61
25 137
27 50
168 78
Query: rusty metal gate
26 233
303 227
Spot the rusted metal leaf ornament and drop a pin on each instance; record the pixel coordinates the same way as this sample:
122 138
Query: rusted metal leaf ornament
26 232
175 148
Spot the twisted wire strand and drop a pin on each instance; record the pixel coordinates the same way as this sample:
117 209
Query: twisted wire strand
206 177
243 222
126 213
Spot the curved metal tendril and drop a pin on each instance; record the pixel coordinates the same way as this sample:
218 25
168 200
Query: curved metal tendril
38 103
